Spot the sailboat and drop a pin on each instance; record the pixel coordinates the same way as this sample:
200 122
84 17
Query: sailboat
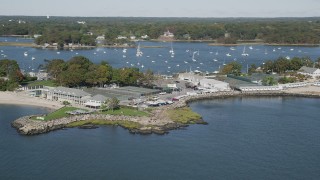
139 52
193 56
171 50
244 52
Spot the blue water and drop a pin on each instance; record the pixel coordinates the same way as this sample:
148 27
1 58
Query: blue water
247 138
159 59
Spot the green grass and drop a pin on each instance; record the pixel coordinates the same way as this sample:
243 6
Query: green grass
125 124
60 113
183 115
126 112
50 83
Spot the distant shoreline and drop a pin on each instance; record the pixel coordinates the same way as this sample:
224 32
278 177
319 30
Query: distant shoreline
209 43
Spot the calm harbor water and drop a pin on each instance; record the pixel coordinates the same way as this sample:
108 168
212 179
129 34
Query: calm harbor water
247 138
187 56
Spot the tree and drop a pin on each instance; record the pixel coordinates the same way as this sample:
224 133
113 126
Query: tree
232 68
269 81
112 103
252 69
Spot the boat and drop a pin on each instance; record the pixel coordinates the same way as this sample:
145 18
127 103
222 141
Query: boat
139 52
244 52
25 53
124 50
33 58
228 54
215 60
250 47
232 48
171 50
193 59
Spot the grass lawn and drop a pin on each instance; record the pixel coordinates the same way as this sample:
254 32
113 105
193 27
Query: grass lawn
44 83
125 124
183 115
60 113
126 111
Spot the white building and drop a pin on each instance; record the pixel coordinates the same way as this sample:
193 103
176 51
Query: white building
95 101
121 37
214 84
260 88
313 72
168 34
100 38
144 37
68 94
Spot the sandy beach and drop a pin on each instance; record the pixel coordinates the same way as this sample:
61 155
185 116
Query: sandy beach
19 98
313 90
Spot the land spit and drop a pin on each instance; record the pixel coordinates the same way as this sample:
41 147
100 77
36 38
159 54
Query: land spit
159 122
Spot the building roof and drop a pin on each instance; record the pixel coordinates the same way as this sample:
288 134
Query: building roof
212 81
70 91
99 97
306 69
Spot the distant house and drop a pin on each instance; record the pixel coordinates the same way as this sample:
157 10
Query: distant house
168 34
313 72
121 37
144 37
100 38
132 37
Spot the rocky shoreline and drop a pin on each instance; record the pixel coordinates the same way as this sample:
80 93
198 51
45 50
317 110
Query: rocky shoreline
157 123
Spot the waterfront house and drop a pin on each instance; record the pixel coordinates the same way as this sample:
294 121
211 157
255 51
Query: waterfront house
71 95
168 34
96 101
313 72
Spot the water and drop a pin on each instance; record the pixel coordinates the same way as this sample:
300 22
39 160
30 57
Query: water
263 138
209 58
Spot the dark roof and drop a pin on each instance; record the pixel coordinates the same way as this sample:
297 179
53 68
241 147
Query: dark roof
307 69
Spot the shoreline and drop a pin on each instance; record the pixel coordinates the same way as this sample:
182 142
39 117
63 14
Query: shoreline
16 98
209 43
158 123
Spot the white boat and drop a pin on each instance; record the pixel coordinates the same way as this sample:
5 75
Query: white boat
25 53
171 50
287 57
232 48
139 52
142 66
124 56
33 58
124 50
58 52
215 60
250 47
193 59
244 52
228 54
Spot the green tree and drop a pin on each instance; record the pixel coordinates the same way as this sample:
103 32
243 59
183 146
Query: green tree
112 103
269 81
232 68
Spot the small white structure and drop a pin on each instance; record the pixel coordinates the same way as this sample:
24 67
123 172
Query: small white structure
132 37
260 88
95 101
121 37
100 38
294 85
144 37
168 34
313 72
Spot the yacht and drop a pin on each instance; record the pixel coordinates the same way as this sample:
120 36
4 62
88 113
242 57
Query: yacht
228 54
25 53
